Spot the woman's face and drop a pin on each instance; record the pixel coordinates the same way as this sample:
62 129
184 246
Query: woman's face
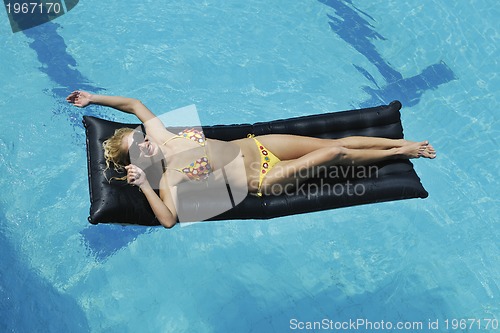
136 141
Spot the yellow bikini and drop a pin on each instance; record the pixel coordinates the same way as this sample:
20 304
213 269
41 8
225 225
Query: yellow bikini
201 168
267 161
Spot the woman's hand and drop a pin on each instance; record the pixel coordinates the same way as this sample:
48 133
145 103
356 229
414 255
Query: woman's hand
135 175
79 98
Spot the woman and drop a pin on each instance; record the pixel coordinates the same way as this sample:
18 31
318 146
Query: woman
264 161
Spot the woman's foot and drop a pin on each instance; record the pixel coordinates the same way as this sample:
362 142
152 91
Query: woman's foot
429 151
417 149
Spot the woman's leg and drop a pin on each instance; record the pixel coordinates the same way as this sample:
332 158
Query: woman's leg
293 172
368 142
365 142
287 147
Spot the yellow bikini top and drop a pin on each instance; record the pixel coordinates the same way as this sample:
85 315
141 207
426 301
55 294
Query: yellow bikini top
201 168
190 134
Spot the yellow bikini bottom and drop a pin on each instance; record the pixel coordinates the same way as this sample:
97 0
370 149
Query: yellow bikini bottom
267 162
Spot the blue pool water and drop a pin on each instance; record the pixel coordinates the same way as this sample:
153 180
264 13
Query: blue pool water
245 61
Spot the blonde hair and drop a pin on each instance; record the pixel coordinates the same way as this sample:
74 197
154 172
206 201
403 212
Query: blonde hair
113 151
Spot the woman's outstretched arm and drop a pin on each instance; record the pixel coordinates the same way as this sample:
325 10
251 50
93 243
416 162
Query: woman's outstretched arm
124 104
153 124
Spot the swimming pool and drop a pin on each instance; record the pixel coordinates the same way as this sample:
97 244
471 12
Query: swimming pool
409 261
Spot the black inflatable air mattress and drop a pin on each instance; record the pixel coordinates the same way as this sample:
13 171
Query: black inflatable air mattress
117 202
